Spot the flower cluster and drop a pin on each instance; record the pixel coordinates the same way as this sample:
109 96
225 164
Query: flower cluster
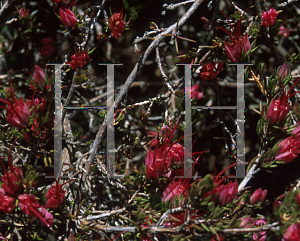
79 59
116 24
269 18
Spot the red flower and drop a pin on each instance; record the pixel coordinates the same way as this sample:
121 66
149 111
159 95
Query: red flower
158 161
18 112
238 44
12 180
292 233
289 149
55 195
258 196
79 59
210 71
116 24
68 18
175 188
39 77
7 203
284 32
48 48
24 13
279 108
195 94
227 193
269 18
29 205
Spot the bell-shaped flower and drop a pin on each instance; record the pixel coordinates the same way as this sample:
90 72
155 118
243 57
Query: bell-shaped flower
284 71
258 196
68 18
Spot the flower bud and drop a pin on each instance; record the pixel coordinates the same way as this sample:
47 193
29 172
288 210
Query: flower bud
68 18
258 196
284 71
39 77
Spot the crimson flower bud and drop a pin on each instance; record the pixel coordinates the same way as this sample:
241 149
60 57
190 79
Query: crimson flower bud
258 196
24 13
116 24
39 77
284 71
269 18
68 18
228 192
